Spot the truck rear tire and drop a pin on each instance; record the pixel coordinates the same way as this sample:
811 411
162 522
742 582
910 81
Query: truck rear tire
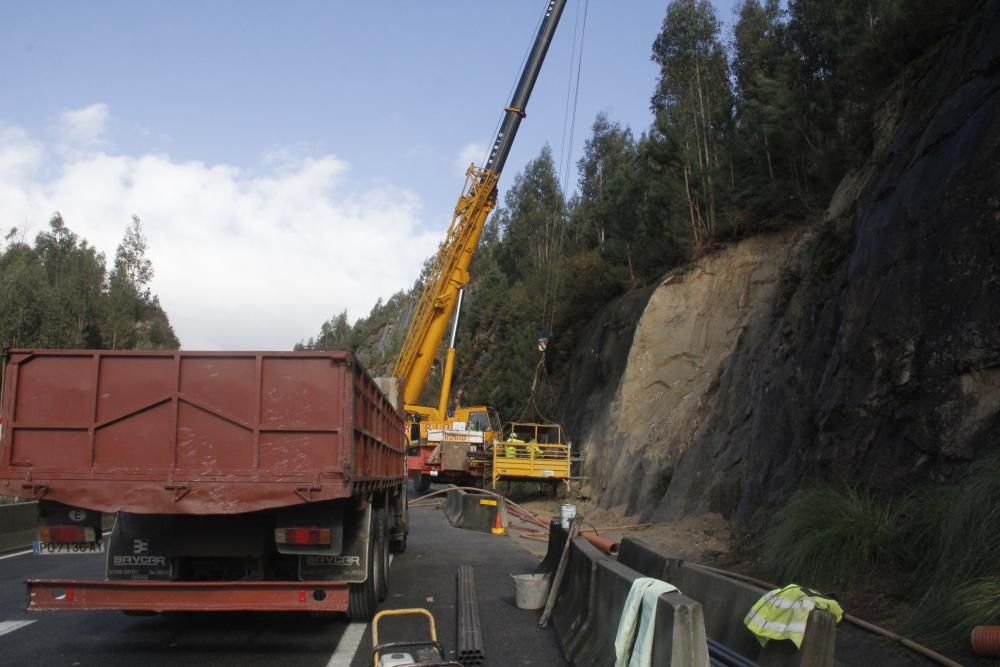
400 524
362 598
381 555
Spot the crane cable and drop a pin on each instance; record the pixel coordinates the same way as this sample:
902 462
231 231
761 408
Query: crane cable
550 297
550 294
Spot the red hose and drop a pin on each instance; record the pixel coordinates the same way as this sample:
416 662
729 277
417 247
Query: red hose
610 547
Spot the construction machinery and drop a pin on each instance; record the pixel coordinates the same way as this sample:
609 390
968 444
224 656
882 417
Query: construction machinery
408 653
455 446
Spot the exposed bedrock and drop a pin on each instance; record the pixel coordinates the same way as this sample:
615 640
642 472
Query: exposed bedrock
863 349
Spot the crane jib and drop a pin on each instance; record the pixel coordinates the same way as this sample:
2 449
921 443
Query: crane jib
450 268
515 110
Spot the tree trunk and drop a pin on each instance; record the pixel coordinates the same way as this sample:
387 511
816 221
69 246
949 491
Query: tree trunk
767 152
695 232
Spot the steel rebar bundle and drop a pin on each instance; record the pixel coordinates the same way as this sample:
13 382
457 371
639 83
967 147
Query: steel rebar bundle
470 632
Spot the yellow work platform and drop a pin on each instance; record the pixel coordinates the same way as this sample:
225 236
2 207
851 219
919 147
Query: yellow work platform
531 452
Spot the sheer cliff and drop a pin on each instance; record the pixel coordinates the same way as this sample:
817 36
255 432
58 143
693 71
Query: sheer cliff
864 348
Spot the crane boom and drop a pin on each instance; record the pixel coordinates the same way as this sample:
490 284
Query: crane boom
450 270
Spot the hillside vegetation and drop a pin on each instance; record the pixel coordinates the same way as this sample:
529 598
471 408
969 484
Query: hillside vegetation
752 132
58 293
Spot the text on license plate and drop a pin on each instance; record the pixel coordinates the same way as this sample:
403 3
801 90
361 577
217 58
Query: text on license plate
52 549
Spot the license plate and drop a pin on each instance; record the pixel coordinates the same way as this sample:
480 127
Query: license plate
53 549
434 473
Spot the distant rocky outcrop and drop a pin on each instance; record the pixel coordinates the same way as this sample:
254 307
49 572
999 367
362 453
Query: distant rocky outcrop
865 348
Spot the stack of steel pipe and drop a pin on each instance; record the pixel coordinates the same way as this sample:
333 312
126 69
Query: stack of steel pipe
470 632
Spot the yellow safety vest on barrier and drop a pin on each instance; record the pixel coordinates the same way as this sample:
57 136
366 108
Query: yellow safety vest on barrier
783 612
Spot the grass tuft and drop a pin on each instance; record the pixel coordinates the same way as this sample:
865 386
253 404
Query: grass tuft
945 617
826 538
954 533
935 551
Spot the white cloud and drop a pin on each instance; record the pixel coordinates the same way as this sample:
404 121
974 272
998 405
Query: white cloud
470 153
83 129
242 261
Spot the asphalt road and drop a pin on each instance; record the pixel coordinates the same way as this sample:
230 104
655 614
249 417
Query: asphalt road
424 576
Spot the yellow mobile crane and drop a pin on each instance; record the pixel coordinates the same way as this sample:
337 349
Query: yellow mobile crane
454 447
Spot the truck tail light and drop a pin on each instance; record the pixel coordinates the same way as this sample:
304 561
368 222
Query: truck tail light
66 534
303 536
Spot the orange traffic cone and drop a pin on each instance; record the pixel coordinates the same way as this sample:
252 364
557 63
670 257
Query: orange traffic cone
498 528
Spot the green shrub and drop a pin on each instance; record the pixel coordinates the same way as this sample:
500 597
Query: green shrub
944 617
954 535
829 538
936 549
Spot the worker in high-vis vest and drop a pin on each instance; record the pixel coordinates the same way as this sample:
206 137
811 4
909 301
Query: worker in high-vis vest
783 613
534 449
511 446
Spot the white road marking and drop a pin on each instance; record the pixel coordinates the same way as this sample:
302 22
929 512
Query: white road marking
350 641
348 645
10 626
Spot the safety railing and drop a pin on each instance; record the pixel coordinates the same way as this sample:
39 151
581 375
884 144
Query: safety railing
530 461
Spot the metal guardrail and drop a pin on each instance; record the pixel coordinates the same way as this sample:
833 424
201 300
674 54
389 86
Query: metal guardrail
530 461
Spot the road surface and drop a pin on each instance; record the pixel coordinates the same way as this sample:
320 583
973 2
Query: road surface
424 576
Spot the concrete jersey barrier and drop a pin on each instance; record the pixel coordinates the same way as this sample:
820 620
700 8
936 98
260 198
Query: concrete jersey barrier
468 510
591 598
725 602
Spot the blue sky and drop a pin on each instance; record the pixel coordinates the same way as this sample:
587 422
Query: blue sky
202 117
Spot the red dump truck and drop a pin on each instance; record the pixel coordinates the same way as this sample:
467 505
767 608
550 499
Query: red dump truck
238 480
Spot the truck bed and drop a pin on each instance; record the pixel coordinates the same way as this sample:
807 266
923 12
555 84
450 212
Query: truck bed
194 432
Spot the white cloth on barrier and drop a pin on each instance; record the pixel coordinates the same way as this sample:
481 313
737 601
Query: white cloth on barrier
634 640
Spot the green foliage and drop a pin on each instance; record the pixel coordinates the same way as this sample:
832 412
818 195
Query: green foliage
954 535
828 538
57 294
942 538
692 104
748 136
945 617
134 318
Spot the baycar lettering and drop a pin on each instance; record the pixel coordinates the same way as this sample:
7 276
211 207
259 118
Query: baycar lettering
120 561
333 560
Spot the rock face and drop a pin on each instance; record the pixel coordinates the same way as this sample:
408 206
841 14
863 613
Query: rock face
689 328
866 349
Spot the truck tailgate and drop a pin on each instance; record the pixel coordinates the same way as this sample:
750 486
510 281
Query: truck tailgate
194 432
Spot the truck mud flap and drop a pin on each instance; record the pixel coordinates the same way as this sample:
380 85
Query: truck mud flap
156 596
351 564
